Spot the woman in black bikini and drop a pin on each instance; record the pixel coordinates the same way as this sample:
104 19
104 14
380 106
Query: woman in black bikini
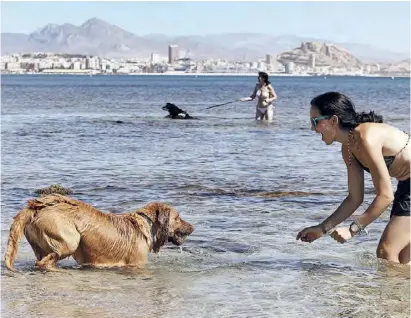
383 151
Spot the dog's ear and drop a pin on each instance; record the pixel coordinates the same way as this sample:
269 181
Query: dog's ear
162 215
162 218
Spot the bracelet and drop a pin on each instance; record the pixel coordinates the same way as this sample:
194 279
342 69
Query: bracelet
361 229
359 225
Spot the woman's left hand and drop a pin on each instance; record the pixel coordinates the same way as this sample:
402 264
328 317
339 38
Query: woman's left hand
341 234
310 234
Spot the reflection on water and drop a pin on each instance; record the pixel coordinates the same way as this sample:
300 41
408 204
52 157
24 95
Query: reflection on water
247 187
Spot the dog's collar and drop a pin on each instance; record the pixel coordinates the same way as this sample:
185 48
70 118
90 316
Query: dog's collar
147 218
151 224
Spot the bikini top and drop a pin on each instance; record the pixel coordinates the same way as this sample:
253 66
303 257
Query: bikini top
388 159
263 93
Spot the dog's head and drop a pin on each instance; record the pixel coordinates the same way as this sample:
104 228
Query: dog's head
168 225
172 109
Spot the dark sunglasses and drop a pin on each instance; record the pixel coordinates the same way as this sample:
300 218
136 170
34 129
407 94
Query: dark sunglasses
314 120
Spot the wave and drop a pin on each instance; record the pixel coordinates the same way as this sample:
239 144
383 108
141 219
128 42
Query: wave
198 190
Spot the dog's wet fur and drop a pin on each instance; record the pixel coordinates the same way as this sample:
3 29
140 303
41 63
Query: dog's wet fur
58 227
175 112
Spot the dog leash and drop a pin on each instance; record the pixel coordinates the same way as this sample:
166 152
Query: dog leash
222 104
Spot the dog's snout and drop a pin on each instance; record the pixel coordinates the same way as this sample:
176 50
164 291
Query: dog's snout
189 228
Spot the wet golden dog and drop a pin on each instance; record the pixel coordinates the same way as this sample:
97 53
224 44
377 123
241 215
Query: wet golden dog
57 227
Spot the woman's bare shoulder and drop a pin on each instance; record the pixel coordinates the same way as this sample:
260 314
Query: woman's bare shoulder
366 129
374 133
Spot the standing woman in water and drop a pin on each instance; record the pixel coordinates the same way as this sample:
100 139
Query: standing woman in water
380 149
265 96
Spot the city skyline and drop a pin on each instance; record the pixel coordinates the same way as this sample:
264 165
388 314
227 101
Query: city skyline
337 21
46 63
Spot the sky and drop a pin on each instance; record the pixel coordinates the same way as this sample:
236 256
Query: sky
360 22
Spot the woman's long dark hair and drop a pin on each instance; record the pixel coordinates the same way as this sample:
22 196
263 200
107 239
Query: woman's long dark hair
334 103
264 76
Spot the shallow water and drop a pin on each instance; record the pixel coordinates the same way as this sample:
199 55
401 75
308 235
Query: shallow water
247 187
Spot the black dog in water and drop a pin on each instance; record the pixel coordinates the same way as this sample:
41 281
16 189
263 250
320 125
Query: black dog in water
176 113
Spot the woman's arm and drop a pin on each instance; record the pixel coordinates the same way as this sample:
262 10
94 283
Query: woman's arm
373 158
355 193
252 96
346 208
272 93
371 149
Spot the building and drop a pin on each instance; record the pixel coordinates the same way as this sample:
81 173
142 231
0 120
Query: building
76 65
289 67
377 67
268 59
311 61
173 54
91 63
155 58
12 66
368 69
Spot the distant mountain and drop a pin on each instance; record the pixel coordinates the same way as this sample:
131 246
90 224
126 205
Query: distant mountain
325 54
371 54
97 37
94 36
401 67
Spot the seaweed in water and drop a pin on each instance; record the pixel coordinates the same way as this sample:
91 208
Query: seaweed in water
54 189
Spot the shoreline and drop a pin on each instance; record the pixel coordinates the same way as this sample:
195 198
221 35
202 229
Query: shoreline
209 74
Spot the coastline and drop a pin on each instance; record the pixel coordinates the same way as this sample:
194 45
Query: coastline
206 74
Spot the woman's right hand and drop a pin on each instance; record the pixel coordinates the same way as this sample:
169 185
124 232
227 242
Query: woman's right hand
310 234
245 99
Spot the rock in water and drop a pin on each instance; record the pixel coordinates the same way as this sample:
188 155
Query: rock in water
54 189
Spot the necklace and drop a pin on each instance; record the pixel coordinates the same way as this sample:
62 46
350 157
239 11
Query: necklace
350 135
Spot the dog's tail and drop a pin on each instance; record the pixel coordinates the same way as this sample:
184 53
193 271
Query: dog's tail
16 232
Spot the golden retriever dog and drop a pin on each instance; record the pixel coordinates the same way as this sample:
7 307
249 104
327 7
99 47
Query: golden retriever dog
58 226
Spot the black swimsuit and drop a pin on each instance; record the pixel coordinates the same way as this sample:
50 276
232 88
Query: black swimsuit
401 204
388 161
